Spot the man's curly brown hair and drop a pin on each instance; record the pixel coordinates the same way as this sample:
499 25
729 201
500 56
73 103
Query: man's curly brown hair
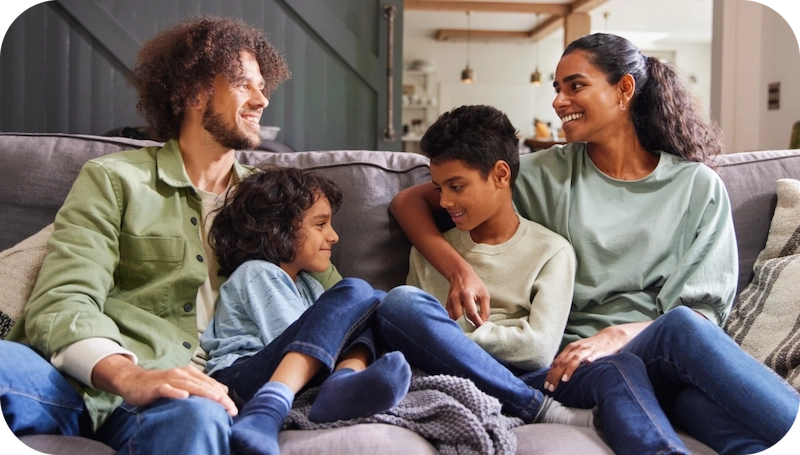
262 218
182 61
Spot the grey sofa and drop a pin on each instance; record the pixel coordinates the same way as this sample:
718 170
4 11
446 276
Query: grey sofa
36 172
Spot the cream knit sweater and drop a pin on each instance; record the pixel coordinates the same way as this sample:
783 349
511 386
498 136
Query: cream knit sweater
530 279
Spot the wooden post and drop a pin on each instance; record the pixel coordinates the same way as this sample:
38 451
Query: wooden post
575 26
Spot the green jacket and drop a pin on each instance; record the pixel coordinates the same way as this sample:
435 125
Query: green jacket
125 262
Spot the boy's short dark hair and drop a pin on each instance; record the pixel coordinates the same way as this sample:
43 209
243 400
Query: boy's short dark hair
478 136
263 214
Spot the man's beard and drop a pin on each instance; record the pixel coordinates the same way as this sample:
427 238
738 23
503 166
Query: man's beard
225 135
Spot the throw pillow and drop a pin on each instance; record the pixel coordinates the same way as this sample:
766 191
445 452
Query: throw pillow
19 267
766 321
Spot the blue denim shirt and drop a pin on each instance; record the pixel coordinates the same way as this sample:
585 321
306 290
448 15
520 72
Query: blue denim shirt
257 303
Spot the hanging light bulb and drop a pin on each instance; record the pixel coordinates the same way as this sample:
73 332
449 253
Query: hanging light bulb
468 74
536 76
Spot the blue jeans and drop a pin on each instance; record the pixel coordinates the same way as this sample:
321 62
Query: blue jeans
415 323
340 318
37 399
627 409
712 389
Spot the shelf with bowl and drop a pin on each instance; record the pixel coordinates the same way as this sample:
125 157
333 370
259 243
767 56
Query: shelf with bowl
419 102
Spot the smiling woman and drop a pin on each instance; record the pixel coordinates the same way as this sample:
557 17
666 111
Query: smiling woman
656 252
653 234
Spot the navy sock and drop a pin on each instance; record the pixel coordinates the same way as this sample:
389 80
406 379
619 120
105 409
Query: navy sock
347 394
255 430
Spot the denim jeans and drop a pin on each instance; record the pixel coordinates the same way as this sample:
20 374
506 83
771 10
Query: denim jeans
413 322
37 399
340 318
712 389
627 410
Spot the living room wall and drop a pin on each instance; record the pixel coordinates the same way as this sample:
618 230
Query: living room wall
780 62
753 47
503 66
64 65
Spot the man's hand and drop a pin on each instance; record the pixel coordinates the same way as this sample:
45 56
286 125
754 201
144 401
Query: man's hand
468 295
139 387
606 342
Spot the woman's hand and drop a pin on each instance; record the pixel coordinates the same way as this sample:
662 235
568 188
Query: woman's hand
468 295
605 342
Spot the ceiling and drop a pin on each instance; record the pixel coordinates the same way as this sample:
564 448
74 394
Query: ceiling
656 21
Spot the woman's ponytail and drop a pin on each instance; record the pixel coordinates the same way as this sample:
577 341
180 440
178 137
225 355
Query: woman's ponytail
667 116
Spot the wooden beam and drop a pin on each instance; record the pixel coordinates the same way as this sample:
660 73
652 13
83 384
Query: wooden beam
547 27
451 34
575 26
555 22
560 9
585 6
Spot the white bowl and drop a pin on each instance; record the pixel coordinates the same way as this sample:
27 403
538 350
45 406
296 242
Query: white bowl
269 133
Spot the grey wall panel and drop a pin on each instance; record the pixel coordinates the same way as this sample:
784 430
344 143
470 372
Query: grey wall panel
64 64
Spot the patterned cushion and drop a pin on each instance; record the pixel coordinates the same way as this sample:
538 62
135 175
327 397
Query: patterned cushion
766 320
19 266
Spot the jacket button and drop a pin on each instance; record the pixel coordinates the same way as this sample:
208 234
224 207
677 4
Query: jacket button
200 258
187 308
187 345
193 220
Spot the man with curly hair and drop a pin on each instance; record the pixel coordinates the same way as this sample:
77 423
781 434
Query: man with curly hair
108 345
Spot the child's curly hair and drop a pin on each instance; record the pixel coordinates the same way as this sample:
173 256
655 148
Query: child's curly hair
181 61
263 215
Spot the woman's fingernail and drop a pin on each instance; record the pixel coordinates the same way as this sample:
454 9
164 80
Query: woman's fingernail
546 385
552 388
564 378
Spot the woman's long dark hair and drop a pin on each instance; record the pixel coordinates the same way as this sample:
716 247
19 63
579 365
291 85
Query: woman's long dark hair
665 114
263 215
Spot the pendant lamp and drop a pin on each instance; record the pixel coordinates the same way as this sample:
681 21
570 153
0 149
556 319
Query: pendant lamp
468 74
536 76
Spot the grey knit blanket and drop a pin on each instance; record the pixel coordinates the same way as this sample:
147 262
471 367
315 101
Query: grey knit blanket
450 412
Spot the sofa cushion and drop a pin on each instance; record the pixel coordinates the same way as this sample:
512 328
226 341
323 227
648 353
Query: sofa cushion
65 445
765 321
19 267
37 173
371 244
750 180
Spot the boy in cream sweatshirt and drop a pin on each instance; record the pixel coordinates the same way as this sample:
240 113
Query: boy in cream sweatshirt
528 269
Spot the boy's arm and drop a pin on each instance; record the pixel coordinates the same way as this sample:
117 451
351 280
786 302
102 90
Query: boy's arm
413 208
532 343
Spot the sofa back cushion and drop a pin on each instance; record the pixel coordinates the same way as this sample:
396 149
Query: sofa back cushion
38 171
371 244
751 179
36 174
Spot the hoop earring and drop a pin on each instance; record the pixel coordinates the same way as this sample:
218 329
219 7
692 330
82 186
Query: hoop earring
621 105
